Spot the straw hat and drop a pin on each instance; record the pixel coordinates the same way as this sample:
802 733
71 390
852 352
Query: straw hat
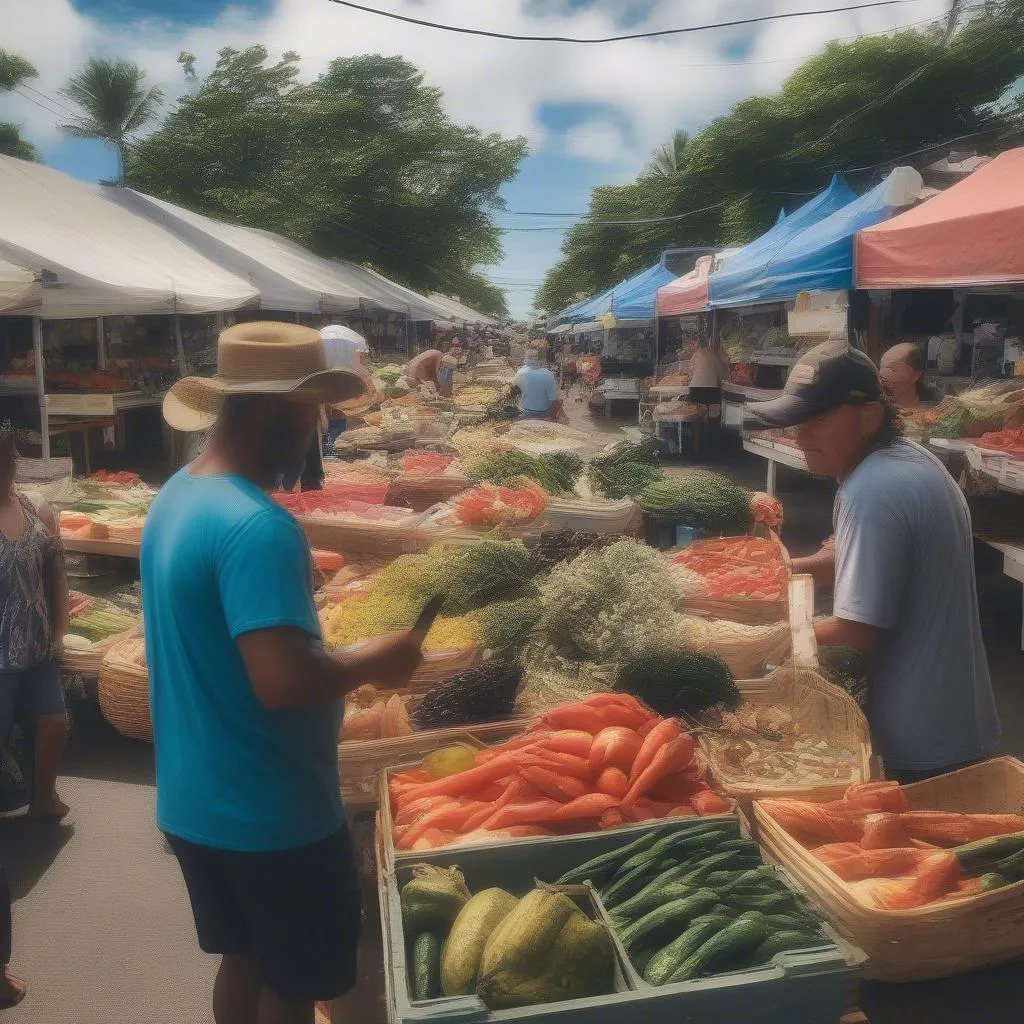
263 358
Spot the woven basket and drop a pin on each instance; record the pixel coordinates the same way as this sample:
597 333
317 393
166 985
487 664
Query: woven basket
929 942
87 663
124 689
819 709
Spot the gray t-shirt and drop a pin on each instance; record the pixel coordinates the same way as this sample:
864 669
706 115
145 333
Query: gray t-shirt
905 563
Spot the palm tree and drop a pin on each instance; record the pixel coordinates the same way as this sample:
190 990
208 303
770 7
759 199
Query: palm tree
670 156
14 70
114 101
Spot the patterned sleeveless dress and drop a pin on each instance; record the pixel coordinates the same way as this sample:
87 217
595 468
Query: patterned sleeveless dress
26 592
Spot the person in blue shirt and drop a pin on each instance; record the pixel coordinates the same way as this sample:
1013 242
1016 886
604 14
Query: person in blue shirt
538 389
246 704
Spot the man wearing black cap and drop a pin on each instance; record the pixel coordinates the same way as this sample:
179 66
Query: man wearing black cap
902 564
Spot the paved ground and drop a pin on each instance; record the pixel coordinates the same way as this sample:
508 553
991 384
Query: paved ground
103 933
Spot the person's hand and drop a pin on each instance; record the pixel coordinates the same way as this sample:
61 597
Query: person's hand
389 660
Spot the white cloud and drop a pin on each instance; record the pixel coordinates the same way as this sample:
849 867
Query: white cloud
645 89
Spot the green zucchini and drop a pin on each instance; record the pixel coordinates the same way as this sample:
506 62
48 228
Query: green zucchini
651 898
794 921
629 884
665 962
426 967
739 937
599 869
740 846
779 942
770 903
677 914
678 842
641 956
991 880
718 862
993 848
752 878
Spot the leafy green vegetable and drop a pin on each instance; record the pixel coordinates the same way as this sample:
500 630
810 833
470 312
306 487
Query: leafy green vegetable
556 472
482 573
700 498
504 625
678 682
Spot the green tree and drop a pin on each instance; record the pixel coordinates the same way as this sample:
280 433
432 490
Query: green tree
857 108
362 163
14 70
115 104
670 157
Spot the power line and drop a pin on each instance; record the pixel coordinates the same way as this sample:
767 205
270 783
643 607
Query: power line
463 30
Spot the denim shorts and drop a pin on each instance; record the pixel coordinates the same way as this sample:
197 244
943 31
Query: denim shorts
30 694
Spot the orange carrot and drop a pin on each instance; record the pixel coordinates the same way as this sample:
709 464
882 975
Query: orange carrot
937 875
876 864
593 805
523 814
432 839
679 787
566 741
836 851
577 767
708 803
614 747
884 831
619 715
612 818
412 811
673 756
452 817
667 729
470 781
574 716
562 788
512 791
614 782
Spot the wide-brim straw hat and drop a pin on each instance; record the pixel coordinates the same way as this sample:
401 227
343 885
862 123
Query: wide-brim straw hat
264 358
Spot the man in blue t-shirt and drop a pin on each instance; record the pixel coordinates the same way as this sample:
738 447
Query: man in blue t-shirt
901 565
538 389
246 705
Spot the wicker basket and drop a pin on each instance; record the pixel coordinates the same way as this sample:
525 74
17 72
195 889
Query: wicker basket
87 663
124 689
819 709
929 942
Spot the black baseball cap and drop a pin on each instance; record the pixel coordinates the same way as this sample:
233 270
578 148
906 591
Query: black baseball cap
823 378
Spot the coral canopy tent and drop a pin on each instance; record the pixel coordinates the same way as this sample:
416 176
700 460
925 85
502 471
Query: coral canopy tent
968 235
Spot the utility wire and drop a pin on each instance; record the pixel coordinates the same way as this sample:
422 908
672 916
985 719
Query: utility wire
463 30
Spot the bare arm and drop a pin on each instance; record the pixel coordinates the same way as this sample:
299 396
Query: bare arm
836 632
821 565
61 600
288 668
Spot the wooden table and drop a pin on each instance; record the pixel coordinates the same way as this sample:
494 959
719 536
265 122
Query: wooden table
775 453
113 548
61 426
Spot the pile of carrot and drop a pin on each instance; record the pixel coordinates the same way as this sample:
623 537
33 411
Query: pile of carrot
489 505
1009 442
745 567
599 763
898 858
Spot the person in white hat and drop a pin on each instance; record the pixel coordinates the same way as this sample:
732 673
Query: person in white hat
246 704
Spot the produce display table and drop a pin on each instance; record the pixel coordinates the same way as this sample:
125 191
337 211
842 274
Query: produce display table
1013 564
735 398
775 454
70 426
114 548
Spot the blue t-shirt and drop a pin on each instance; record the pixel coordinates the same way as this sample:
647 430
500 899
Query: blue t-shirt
538 388
905 563
219 558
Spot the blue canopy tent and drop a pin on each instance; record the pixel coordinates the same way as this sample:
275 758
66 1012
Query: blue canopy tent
737 282
633 299
820 258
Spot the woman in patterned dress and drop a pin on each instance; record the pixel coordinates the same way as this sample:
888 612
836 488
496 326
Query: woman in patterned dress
33 621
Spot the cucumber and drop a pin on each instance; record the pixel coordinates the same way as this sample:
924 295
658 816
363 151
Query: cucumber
677 914
989 849
755 878
666 961
629 884
1011 868
741 846
641 956
600 869
770 903
780 942
717 862
738 938
678 842
653 891
992 880
426 967
651 898
794 921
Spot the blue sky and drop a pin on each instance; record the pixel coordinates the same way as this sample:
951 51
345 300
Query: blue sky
592 114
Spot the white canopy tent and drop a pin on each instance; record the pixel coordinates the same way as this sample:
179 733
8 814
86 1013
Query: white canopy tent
460 313
96 259
19 288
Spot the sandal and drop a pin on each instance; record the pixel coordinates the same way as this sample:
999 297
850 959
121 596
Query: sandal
12 991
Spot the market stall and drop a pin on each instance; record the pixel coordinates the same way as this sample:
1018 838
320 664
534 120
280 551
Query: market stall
92 260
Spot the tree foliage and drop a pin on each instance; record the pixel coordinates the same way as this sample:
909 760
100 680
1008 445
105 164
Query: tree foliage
114 101
858 108
361 163
14 70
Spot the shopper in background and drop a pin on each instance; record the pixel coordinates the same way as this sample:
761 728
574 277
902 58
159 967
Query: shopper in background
33 621
344 349
902 565
902 372
246 704
423 369
538 388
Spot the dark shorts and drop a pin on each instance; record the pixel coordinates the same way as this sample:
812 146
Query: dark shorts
296 912
705 396
30 694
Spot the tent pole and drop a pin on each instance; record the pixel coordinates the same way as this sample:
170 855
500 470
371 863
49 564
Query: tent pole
101 345
657 343
179 344
44 416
